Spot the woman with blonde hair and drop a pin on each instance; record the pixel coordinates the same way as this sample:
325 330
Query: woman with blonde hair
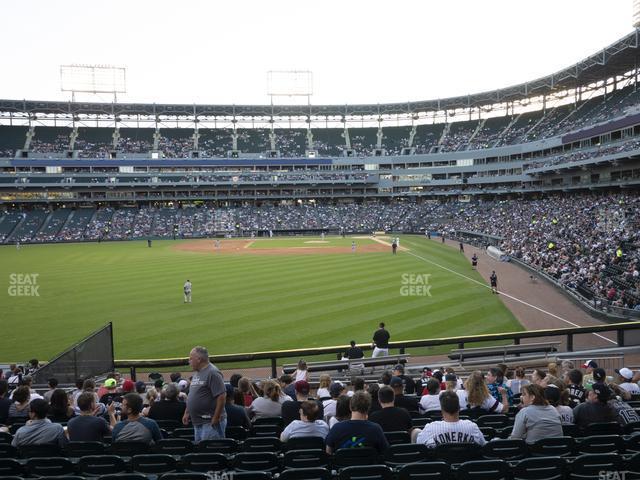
476 395
270 404
323 387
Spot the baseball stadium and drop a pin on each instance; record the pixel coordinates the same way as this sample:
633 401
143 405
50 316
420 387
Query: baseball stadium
415 245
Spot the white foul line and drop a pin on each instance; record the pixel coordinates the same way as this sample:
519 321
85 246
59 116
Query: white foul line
507 295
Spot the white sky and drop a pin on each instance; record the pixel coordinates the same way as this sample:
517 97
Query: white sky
360 51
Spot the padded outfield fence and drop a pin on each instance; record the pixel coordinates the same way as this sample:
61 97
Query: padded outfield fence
627 334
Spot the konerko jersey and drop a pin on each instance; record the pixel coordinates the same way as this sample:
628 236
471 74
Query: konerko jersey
462 431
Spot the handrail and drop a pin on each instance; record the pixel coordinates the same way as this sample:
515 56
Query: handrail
569 332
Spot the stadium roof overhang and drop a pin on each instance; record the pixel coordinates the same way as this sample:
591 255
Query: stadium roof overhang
615 60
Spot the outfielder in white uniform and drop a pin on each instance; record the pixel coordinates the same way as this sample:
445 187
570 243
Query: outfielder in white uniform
187 291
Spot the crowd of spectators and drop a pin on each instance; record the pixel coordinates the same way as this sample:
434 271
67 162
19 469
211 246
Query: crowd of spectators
437 406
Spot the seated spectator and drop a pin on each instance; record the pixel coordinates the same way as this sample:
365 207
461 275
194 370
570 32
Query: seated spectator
87 427
373 389
451 382
450 429
554 395
427 374
53 384
401 400
538 376
39 430
390 417
589 366
5 403
625 377
577 393
19 409
518 382
596 408
537 419
76 392
301 373
431 401
323 387
625 414
270 404
169 407
291 408
60 410
287 385
236 415
135 428
27 382
248 390
309 424
359 431
335 390
108 387
343 410
476 396
233 379
353 352
148 399
407 382
495 381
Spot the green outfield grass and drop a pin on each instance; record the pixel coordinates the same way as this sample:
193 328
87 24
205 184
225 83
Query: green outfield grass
310 242
241 303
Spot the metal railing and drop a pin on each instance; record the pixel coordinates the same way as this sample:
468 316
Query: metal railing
459 342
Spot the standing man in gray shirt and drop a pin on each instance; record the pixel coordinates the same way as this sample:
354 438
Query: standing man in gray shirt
206 399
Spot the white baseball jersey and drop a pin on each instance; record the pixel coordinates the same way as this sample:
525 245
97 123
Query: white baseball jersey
450 432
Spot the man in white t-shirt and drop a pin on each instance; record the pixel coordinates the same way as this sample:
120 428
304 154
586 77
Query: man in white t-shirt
431 401
451 429
187 291
625 381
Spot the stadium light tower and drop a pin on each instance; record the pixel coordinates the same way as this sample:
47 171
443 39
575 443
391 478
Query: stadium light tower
291 84
93 79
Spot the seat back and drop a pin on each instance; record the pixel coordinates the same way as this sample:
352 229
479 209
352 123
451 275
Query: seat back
256 461
363 472
349 457
591 465
154 463
227 446
81 449
539 468
404 453
95 465
174 446
425 471
303 443
261 444
49 466
484 470
601 444
305 458
553 447
401 436
458 452
204 462
317 473
505 449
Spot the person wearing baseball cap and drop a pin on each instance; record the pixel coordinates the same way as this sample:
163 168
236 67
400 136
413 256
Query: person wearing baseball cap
336 389
236 415
402 401
625 381
291 408
596 409
589 366
409 384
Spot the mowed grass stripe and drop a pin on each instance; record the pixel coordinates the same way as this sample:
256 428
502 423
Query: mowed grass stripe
242 303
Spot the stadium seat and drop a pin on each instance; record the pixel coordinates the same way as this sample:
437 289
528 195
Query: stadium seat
632 443
29 451
154 463
169 425
123 476
129 449
553 447
183 432
397 437
404 453
252 475
303 443
317 473
81 449
261 444
237 433
458 452
10 467
632 467
496 421
366 472
601 444
8 451
539 468
630 428
420 422
219 445
256 461
484 470
49 466
173 446
98 465
592 465
505 449
425 471
570 430
604 428
488 432
349 457
305 458
277 421
184 476
5 437
267 430
204 462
